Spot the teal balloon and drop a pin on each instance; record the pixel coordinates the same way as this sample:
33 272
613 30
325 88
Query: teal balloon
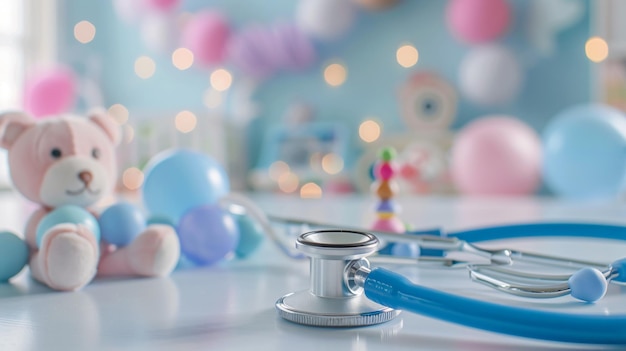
585 152
250 235
177 181
68 214
13 255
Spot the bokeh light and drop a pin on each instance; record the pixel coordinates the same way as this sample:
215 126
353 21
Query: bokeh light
132 178
221 79
407 56
369 131
129 133
288 182
185 121
84 32
277 169
145 67
332 163
182 58
597 49
119 112
310 191
335 74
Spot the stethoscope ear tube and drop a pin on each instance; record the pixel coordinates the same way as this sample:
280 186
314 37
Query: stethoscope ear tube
393 290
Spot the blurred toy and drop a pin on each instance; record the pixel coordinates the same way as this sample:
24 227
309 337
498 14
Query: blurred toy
585 152
386 187
303 150
386 211
67 164
496 155
428 108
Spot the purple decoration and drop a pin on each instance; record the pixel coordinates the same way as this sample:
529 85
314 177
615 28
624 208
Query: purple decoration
207 234
263 51
386 206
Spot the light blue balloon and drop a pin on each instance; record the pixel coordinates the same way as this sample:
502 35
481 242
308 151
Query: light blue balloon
13 255
121 223
177 181
250 235
68 214
585 152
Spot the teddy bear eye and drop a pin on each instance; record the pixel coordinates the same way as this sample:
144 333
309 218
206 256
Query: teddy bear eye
55 153
95 153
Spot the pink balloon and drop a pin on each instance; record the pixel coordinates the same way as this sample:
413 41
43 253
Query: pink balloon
478 21
160 5
496 155
206 35
51 91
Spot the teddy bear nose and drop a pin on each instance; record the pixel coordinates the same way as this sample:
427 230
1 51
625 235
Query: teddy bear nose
85 177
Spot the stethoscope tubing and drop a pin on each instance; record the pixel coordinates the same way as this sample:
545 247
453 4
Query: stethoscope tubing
393 290
551 229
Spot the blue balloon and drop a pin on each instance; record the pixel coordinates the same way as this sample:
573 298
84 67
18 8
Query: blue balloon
250 235
207 234
585 152
121 223
178 180
13 255
68 214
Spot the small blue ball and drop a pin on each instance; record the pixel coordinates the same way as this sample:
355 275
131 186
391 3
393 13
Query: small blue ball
177 181
250 235
13 255
121 223
68 214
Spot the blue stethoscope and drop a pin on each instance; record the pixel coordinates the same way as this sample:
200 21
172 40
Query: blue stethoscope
346 292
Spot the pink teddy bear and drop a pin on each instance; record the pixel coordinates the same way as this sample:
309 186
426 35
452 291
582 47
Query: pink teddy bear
70 160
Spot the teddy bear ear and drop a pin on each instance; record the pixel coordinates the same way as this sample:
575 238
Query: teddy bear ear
12 125
106 123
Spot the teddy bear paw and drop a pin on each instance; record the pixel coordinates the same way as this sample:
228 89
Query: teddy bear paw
155 252
69 257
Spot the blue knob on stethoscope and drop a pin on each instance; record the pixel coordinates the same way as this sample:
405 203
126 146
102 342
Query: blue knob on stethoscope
346 292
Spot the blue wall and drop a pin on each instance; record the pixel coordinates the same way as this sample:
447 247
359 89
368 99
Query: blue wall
551 83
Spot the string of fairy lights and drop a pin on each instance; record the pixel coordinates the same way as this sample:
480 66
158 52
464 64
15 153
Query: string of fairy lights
334 73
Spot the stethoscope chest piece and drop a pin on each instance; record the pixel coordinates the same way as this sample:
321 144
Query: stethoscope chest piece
334 299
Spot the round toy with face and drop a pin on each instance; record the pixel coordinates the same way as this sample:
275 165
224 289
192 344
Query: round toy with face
427 103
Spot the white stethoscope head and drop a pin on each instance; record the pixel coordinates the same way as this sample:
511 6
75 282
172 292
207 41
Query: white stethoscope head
335 295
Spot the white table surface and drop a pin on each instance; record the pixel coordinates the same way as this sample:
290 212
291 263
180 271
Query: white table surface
230 306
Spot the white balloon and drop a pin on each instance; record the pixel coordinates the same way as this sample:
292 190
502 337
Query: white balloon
325 19
490 75
160 32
